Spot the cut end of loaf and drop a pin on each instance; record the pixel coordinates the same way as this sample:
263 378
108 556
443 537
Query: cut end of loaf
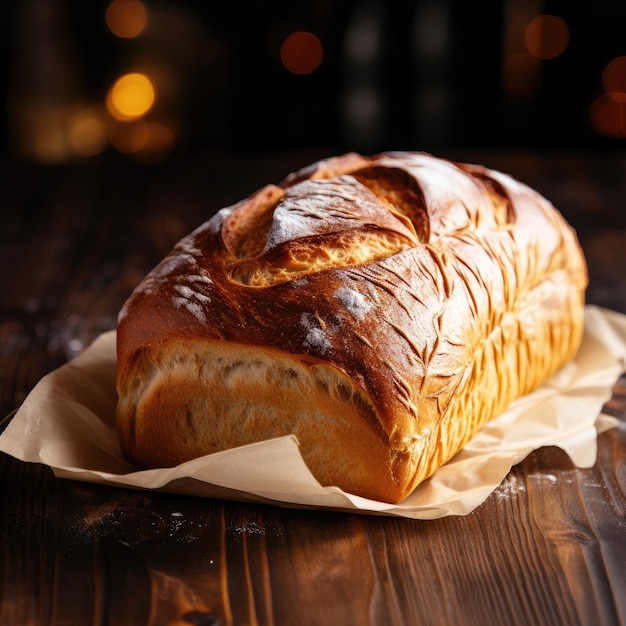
204 397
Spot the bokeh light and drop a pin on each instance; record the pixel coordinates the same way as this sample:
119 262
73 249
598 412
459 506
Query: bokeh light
126 18
129 137
614 79
546 37
141 137
160 139
608 116
131 97
87 131
301 52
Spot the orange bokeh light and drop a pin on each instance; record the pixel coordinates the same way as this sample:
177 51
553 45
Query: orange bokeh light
131 97
126 18
129 137
546 37
141 137
614 79
87 131
608 116
301 52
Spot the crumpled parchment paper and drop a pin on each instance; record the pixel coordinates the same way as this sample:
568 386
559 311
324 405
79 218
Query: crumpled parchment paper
68 423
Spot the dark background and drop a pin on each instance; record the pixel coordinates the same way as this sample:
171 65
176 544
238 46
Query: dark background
228 91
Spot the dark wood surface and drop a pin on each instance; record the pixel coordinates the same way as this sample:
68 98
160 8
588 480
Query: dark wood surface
548 547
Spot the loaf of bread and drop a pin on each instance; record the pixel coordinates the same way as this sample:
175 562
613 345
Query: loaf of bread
381 309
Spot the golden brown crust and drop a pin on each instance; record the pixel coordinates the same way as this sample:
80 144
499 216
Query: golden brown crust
411 298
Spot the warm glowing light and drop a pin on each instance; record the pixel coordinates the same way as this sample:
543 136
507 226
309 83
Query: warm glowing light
521 75
608 116
128 137
141 137
126 18
614 79
546 36
47 134
87 132
160 139
301 52
131 97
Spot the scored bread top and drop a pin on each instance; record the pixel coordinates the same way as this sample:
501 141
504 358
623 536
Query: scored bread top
397 269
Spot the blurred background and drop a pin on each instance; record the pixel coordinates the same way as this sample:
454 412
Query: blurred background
151 78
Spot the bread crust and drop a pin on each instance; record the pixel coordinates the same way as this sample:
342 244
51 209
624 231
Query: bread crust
381 308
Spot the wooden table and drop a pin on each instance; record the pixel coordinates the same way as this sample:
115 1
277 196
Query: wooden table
548 547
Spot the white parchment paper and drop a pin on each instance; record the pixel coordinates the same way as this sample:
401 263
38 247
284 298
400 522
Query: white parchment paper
68 423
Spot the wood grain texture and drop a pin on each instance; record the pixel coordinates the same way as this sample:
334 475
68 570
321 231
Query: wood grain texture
547 548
